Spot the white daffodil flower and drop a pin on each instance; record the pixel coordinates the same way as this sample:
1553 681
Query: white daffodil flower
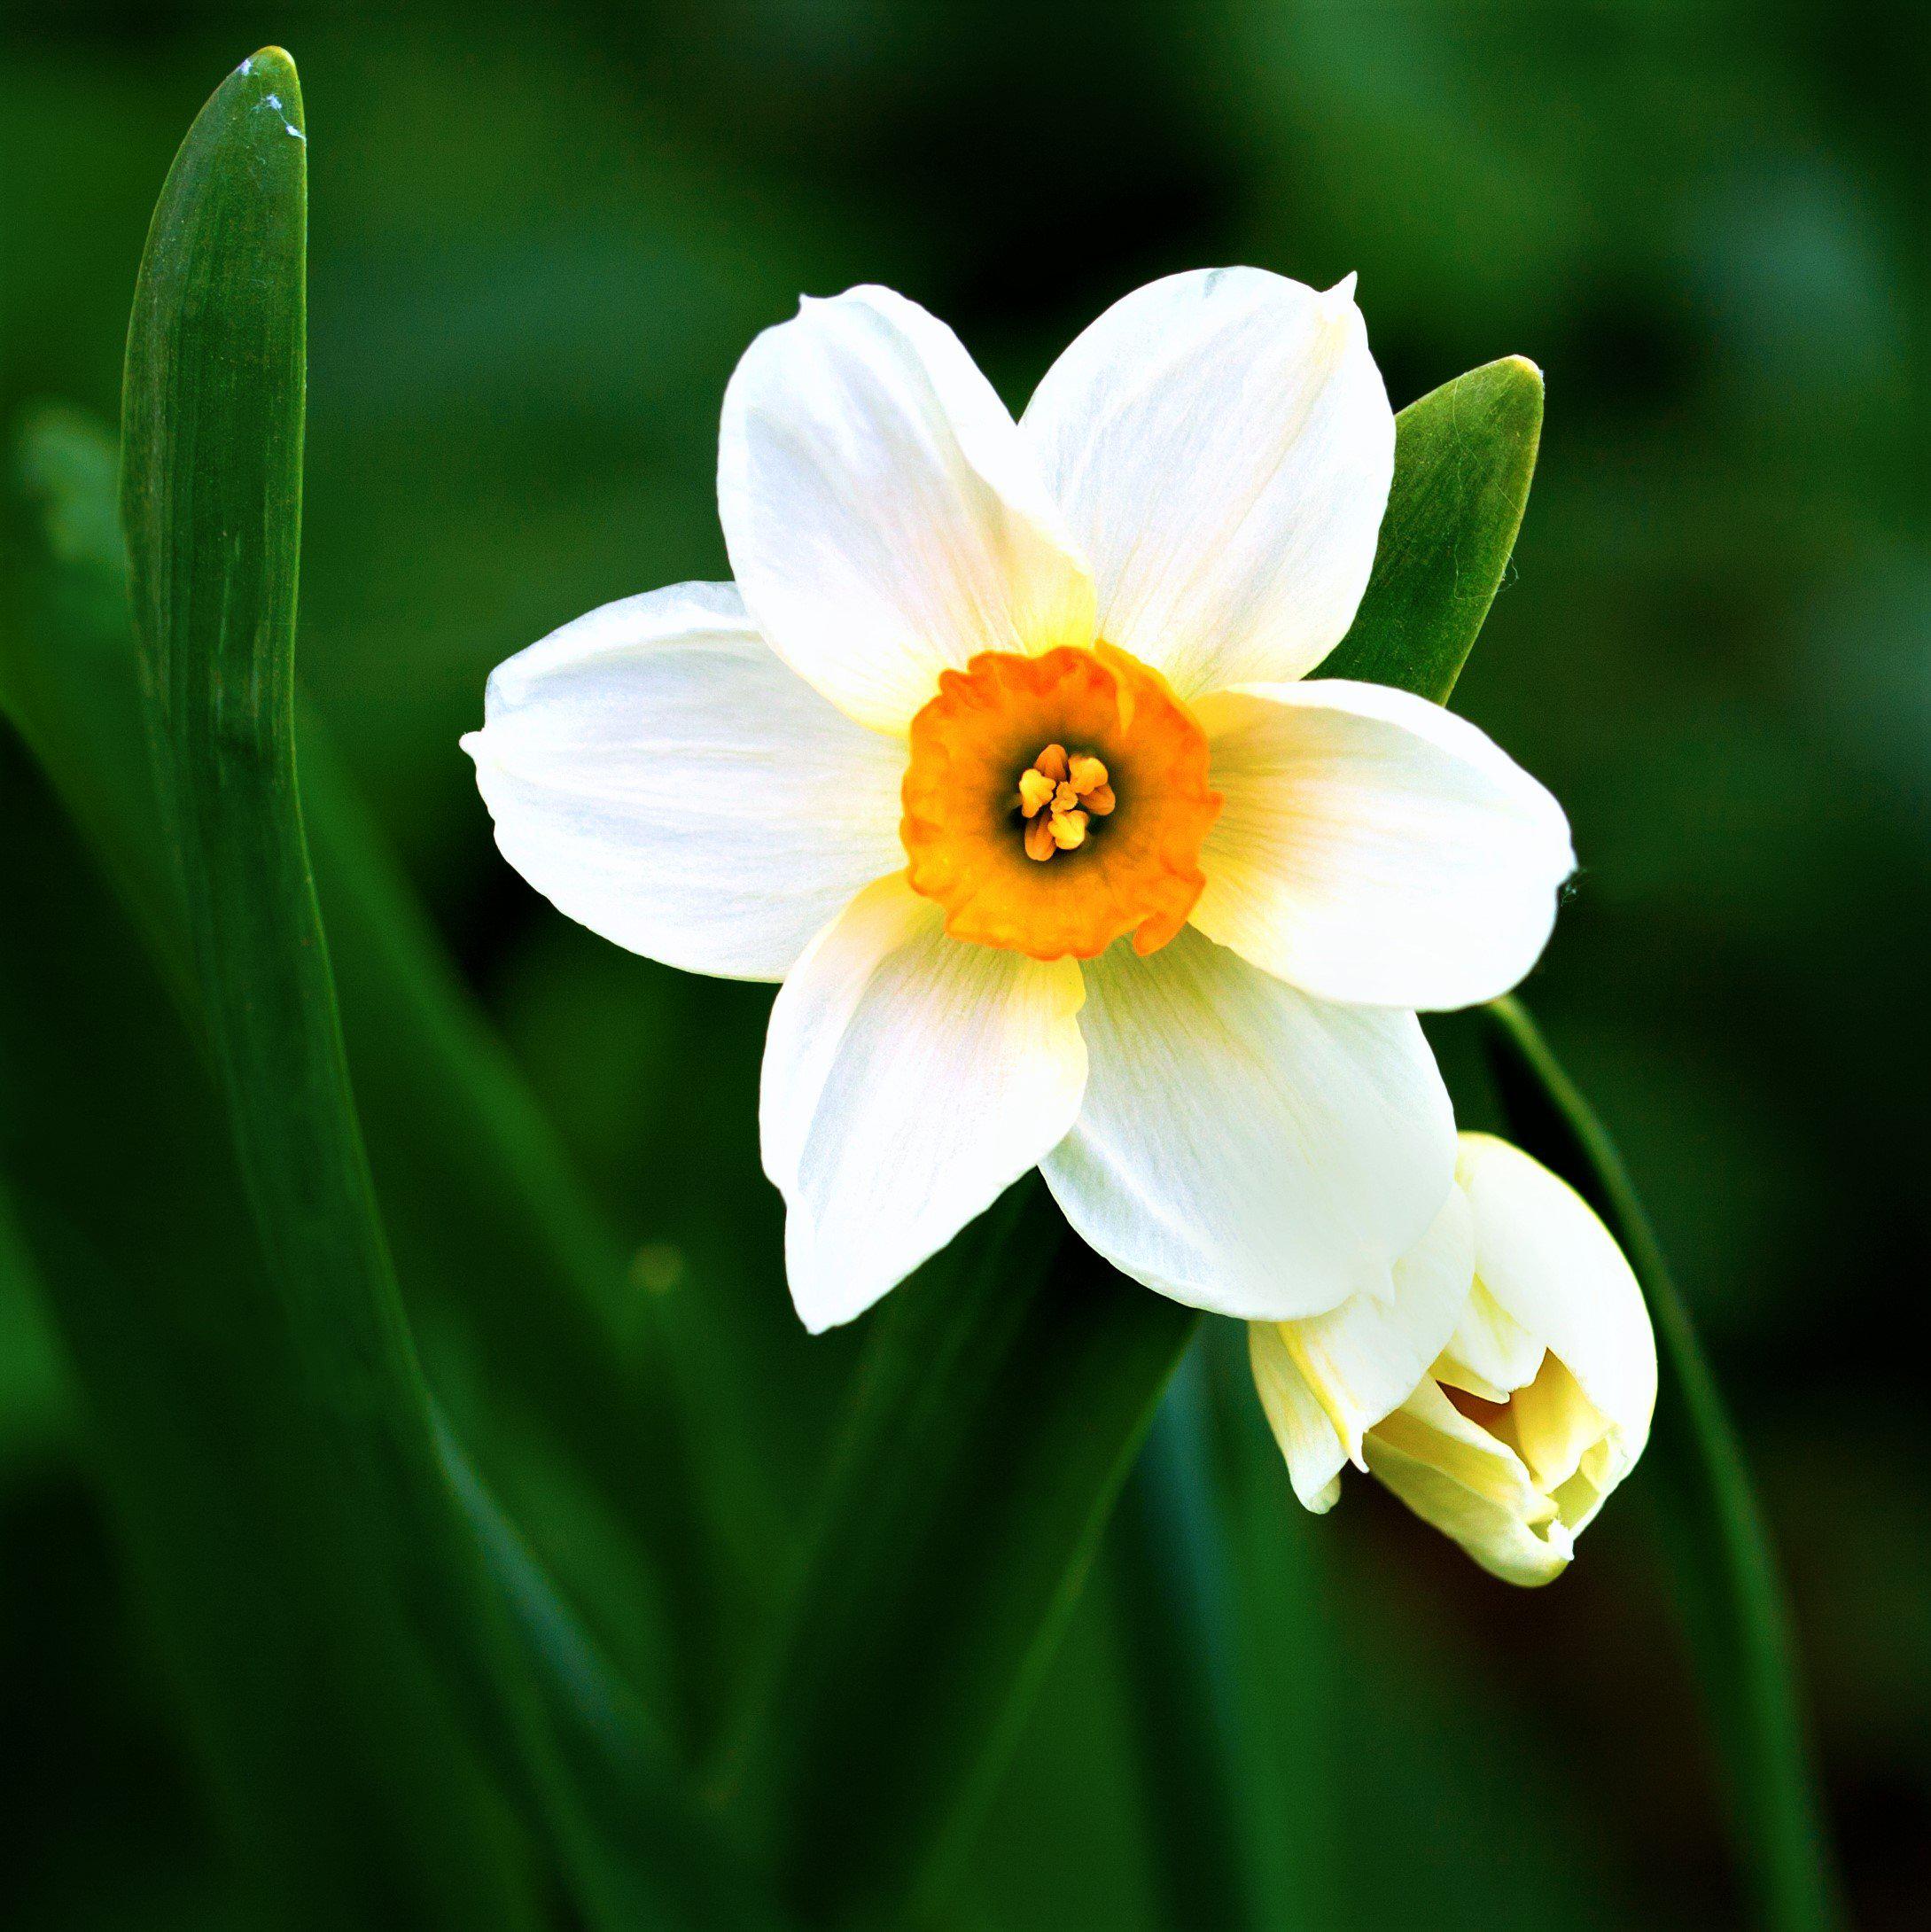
1502 1390
997 756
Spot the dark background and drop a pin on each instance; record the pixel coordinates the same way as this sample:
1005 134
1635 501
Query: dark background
538 246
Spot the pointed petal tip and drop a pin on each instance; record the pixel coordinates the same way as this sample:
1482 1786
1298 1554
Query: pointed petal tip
825 1295
817 1321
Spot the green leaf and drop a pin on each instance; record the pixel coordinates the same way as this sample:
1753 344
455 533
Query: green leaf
497 1241
491 1224
1003 1393
643 1858
1464 455
212 417
1740 1622
1173 1589
211 494
350 1795
36 1397
1275 1597
1233 1654
67 676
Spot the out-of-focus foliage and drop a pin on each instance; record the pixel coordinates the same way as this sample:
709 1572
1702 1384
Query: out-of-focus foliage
538 243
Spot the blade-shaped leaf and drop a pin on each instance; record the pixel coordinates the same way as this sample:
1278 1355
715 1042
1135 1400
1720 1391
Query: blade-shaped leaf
211 495
1464 456
68 683
494 1231
350 1795
1233 1654
211 498
643 1858
1001 1397
1172 1590
1741 1620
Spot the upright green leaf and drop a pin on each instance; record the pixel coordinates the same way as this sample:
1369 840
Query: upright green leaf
1464 456
1174 1597
212 417
1741 1620
1235 1658
495 1235
36 1396
68 681
643 1855
212 487
355 1797
998 1407
1281 1637
570 1352
351 1793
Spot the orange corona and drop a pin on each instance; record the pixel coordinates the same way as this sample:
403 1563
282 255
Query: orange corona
1054 803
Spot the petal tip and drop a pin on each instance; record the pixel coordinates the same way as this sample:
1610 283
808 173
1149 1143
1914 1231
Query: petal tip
817 1321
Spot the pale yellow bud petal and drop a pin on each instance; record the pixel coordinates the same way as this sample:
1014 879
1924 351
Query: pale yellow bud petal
1540 1403
1501 1387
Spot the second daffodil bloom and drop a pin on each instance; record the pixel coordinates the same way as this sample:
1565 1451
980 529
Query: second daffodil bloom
1502 1390
998 754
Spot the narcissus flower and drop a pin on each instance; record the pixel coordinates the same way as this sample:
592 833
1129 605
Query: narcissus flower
997 754
1501 1390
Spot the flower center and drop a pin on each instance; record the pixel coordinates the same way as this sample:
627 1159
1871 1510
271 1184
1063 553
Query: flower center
1052 850
1059 797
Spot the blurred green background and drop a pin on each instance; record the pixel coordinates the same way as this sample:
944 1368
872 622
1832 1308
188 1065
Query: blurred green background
540 241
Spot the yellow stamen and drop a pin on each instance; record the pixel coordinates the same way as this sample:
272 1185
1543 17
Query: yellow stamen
1035 790
1075 787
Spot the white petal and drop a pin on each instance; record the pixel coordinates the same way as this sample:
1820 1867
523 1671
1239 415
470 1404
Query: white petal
1222 445
1375 848
1551 1264
657 774
1245 1148
1490 1353
909 1078
1327 1381
883 518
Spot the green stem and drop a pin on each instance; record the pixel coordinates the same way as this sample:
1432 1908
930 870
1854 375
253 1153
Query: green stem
1740 1618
